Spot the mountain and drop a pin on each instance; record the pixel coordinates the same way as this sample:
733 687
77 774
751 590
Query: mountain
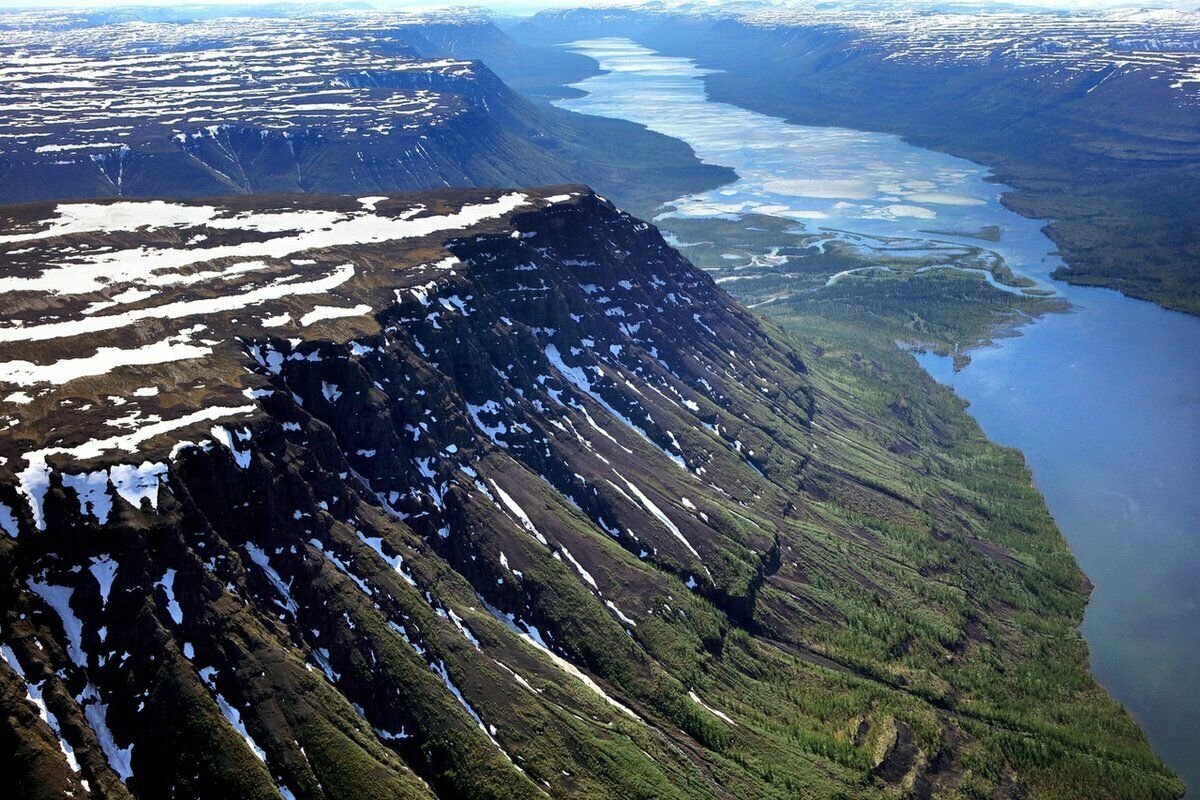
328 103
1090 117
539 72
493 494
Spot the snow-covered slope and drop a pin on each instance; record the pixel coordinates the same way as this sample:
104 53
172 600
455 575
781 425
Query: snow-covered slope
336 103
409 439
1060 48
482 494
106 88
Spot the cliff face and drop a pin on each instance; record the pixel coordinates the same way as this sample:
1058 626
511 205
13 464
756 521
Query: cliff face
324 104
470 494
361 565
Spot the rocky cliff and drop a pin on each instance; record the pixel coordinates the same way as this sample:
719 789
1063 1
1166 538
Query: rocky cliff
488 495
326 104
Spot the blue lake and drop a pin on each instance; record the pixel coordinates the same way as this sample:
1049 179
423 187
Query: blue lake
1104 401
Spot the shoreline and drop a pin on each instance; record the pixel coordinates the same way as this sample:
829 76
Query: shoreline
1003 330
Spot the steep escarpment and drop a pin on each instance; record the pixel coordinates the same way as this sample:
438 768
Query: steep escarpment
494 495
359 103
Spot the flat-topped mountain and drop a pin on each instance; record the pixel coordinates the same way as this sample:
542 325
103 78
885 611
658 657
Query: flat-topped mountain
355 103
1083 46
493 494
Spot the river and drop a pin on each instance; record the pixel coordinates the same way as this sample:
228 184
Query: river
1104 401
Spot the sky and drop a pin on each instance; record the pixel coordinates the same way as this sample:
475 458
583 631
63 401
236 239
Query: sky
530 6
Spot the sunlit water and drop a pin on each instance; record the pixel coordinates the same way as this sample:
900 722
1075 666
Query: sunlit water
1104 401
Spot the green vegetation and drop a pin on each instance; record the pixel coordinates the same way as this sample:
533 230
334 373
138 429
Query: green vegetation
944 311
998 656
951 610
844 591
925 299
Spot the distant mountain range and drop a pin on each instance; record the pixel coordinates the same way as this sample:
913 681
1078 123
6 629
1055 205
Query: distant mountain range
1091 117
339 103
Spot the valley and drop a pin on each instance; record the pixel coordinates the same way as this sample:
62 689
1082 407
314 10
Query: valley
1088 116
403 404
498 491
778 238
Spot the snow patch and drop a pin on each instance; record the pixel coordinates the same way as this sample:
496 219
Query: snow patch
59 599
333 312
8 521
167 582
224 437
104 570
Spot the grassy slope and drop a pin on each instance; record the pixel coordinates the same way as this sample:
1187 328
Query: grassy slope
1014 641
1017 697
890 611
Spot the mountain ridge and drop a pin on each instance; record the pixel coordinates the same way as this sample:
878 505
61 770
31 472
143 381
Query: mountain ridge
355 104
523 504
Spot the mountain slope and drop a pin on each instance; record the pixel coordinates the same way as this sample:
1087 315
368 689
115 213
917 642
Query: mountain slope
495 495
534 71
362 103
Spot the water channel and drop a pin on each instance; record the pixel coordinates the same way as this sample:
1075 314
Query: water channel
1104 401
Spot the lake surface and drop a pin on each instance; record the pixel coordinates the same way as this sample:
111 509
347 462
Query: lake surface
1103 401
